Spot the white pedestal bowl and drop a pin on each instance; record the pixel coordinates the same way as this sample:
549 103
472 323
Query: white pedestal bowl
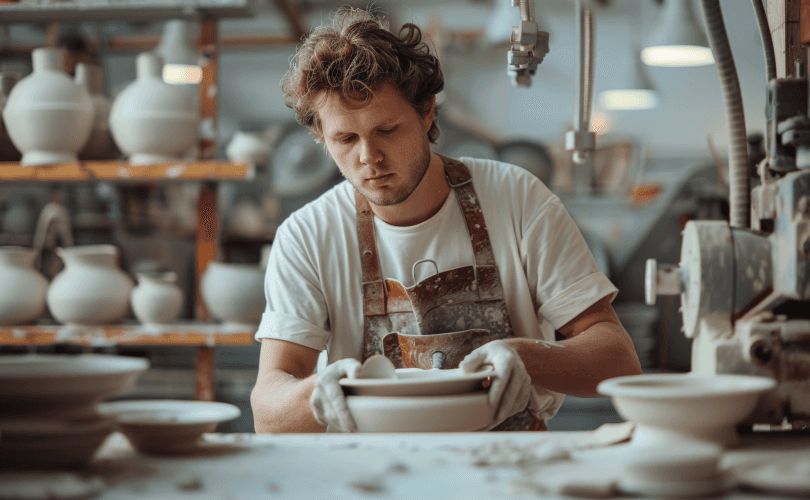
671 408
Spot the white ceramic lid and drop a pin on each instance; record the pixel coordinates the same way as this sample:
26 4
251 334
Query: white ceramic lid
418 382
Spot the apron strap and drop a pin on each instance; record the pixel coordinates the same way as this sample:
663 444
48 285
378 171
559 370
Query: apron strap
460 179
373 286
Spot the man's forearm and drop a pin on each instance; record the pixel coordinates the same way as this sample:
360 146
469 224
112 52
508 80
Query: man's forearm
281 404
602 351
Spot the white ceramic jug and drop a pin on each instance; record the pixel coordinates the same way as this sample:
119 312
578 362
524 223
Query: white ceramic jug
152 121
47 115
22 287
245 146
234 293
91 290
157 300
100 145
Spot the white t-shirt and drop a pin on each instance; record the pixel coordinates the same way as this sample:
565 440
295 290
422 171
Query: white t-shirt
313 280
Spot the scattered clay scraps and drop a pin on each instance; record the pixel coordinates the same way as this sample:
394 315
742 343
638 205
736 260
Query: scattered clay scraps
397 468
48 486
273 487
510 454
373 484
190 482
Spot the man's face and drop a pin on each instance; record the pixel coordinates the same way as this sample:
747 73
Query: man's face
381 148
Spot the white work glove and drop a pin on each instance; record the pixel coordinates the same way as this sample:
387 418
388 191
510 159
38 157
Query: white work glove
511 386
328 402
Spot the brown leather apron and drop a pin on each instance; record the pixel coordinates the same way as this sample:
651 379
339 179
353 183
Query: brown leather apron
447 315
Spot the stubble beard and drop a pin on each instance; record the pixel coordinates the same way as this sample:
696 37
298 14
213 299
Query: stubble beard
416 172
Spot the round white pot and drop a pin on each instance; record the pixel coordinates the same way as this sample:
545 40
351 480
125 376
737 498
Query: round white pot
234 293
157 300
91 290
47 115
248 147
152 121
22 287
100 144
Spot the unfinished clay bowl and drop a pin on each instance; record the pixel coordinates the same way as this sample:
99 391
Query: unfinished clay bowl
418 382
69 386
167 426
454 413
671 408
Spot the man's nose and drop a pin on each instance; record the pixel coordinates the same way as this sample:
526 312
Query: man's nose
369 153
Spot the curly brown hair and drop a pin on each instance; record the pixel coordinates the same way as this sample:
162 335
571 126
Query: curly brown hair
352 58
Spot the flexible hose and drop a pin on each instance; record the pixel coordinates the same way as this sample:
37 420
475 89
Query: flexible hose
527 10
767 41
739 201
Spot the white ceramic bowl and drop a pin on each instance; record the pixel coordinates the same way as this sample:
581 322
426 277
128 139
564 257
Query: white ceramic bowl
234 293
455 413
668 408
67 385
167 426
46 443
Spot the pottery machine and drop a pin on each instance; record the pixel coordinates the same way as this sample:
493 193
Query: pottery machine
745 285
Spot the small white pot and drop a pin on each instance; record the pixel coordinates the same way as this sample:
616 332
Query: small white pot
22 287
152 121
47 115
157 300
91 290
100 144
234 293
248 147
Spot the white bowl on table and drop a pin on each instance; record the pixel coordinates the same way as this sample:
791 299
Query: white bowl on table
167 426
670 408
448 413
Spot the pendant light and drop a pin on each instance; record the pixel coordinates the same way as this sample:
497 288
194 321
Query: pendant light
180 60
637 92
678 39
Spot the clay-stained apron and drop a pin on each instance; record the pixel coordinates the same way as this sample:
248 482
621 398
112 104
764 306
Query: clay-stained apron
441 319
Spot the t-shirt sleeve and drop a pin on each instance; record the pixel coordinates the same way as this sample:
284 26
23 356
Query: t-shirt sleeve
560 267
296 310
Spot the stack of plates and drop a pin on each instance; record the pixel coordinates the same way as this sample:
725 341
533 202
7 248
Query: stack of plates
420 401
48 406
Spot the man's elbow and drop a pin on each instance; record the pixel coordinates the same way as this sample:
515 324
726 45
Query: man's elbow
261 420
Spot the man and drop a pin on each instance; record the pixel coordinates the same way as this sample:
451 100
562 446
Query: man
485 243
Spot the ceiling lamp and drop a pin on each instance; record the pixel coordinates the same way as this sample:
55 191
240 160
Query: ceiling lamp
638 92
180 60
678 39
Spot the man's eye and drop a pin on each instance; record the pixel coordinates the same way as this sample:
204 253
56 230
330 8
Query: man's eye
346 140
387 130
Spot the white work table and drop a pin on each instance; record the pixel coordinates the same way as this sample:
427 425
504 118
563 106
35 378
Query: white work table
380 466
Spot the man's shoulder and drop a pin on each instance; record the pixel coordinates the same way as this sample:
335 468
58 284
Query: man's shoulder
323 213
505 179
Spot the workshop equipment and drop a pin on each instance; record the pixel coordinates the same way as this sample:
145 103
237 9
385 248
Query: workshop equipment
745 287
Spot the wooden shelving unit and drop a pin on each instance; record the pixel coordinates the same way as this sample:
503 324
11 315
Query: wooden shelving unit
202 334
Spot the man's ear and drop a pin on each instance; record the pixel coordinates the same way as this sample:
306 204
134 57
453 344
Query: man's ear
427 121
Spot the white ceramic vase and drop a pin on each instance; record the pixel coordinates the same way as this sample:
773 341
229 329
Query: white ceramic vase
234 293
48 116
100 144
157 300
91 290
22 287
152 121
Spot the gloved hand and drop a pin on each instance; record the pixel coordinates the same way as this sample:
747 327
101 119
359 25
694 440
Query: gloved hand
328 402
511 384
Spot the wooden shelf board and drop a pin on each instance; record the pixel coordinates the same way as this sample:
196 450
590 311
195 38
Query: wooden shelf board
130 10
180 334
122 171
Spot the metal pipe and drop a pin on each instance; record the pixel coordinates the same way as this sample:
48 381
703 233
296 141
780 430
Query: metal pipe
767 41
739 196
582 106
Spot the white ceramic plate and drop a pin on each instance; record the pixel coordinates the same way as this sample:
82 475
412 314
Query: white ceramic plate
68 385
418 382
791 477
455 413
167 426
